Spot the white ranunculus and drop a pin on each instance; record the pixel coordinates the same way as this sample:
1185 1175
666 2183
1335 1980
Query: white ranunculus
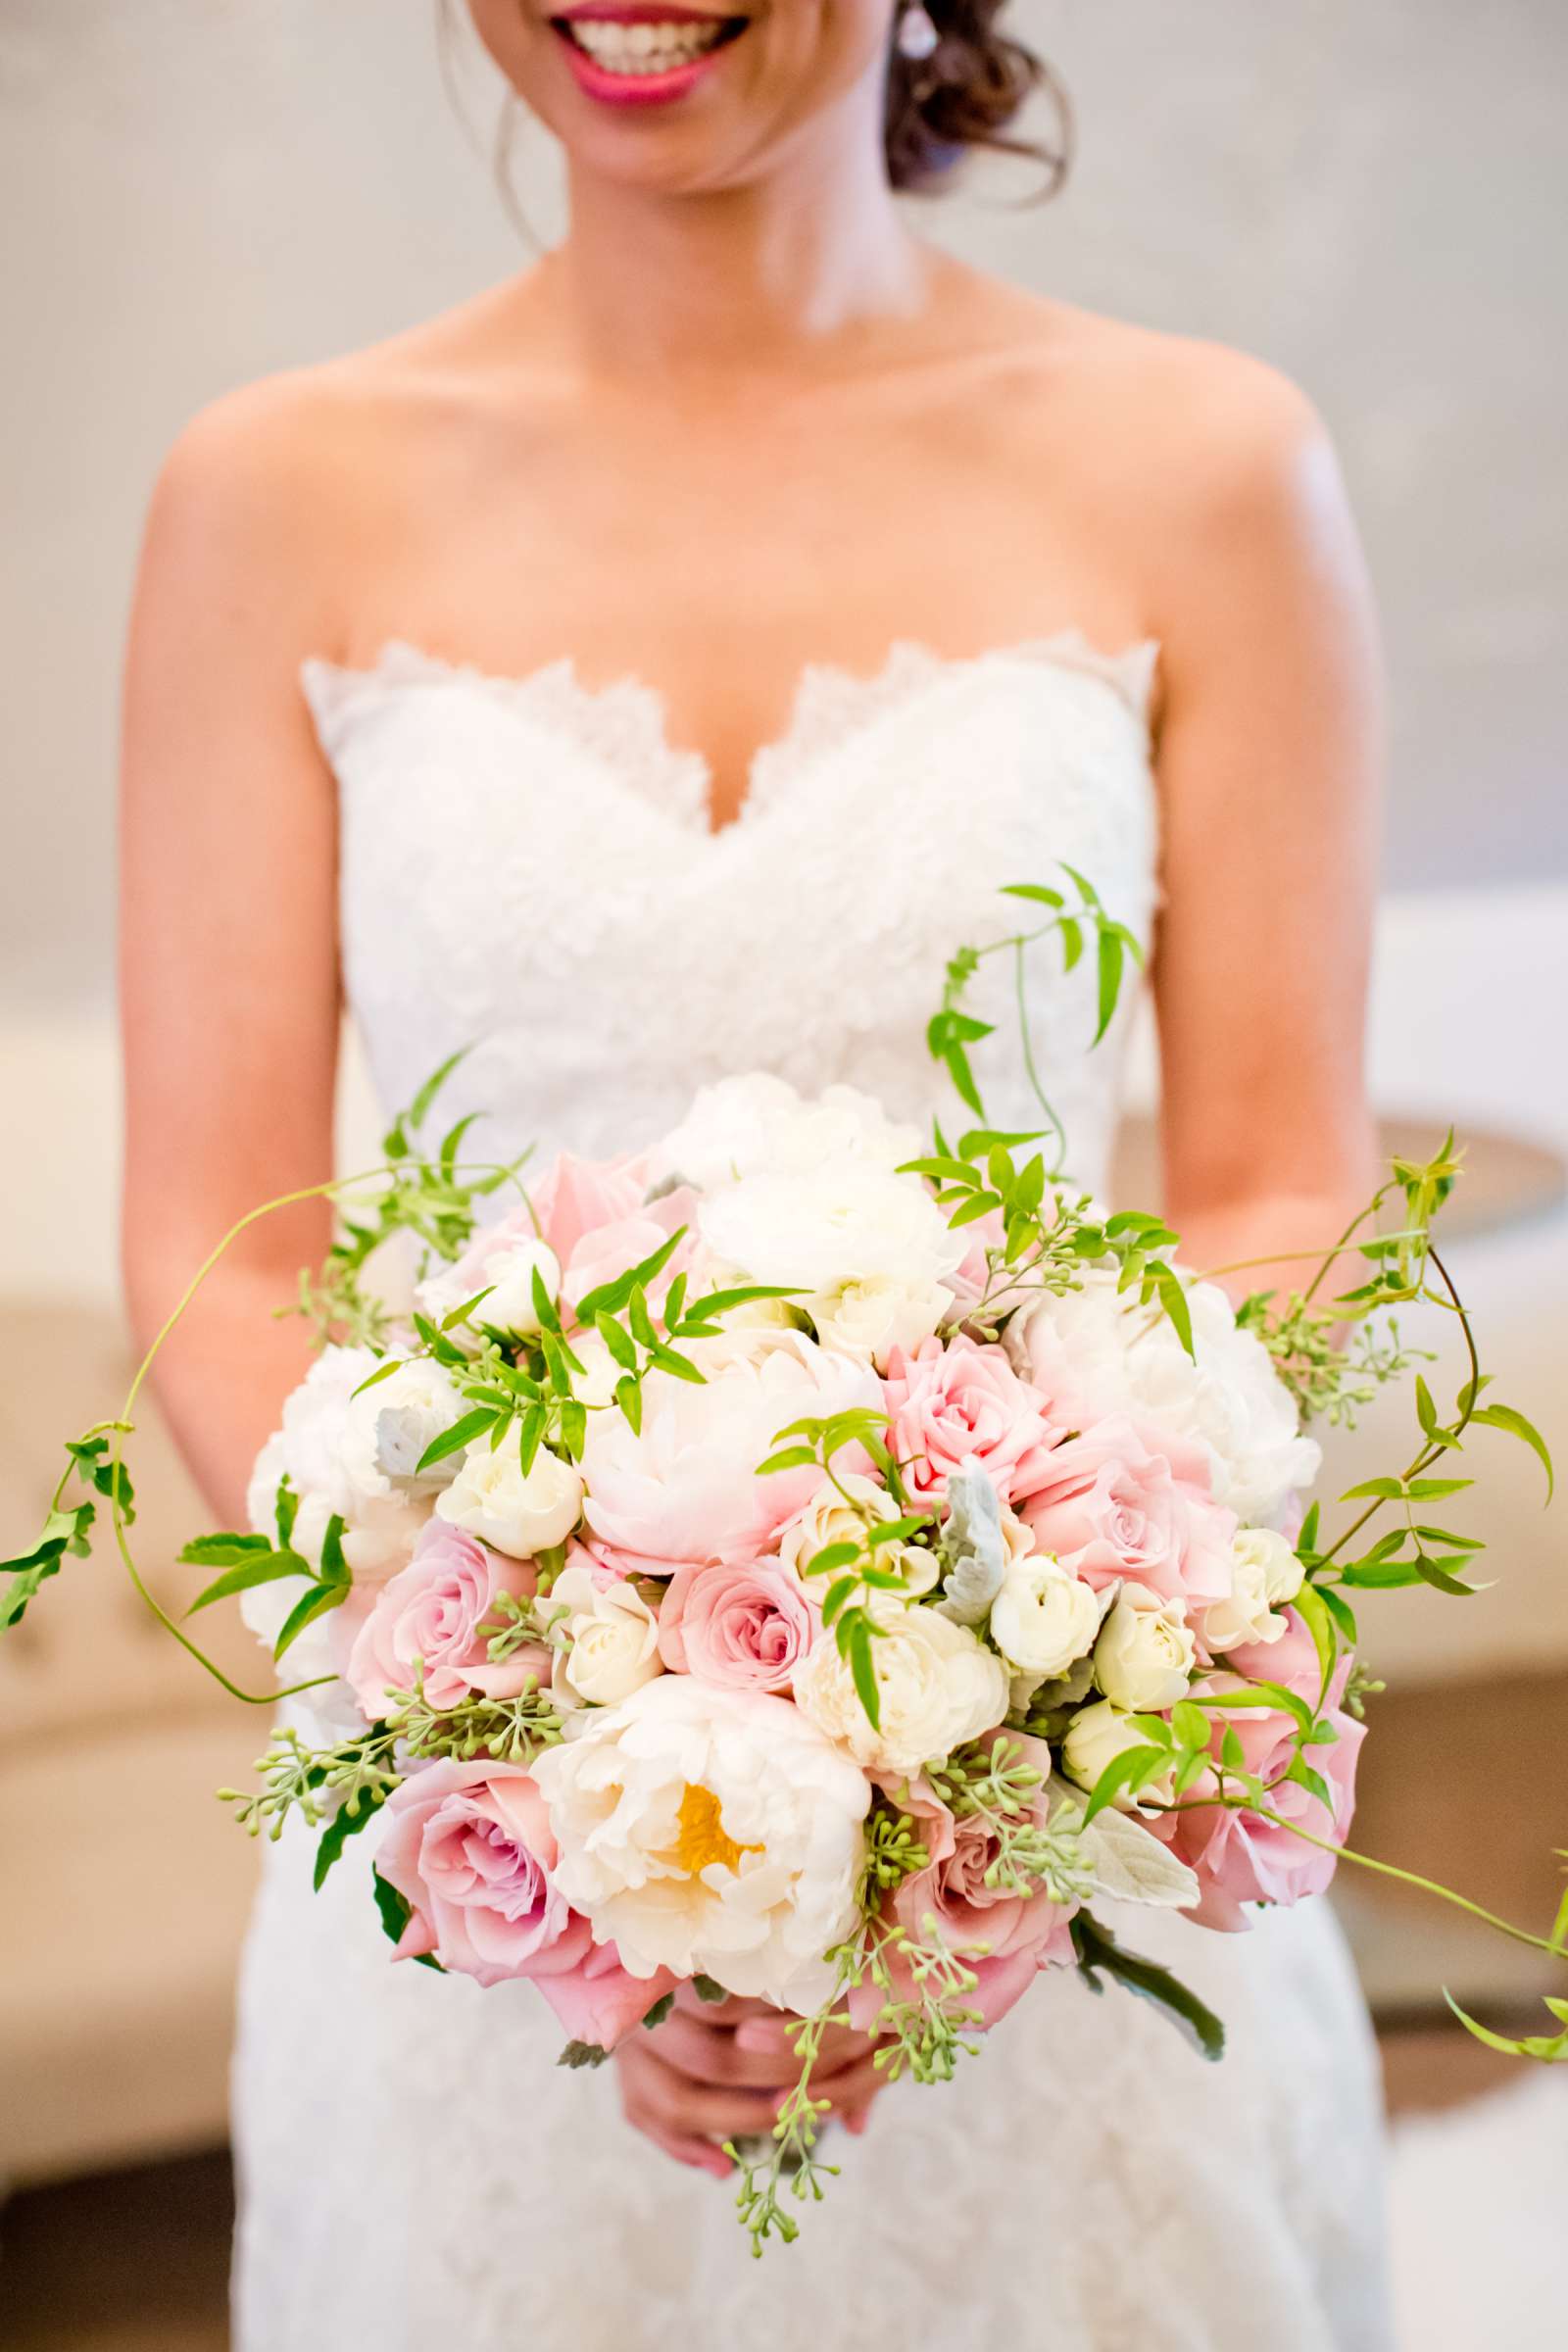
711 1831
1095 1737
605 1639
937 1686
520 1512
1146 1654
685 1487
838 1223
509 1273
1265 1574
870 1318
744 1126
1095 1351
831 1517
1044 1618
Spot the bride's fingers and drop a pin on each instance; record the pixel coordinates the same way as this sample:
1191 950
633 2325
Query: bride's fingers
714 2054
691 2148
852 2090
771 2036
683 2106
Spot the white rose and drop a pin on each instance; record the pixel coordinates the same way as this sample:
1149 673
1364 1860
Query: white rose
508 1274
1264 1571
1095 1351
1146 1654
842 1222
1044 1617
1095 1739
744 1125
937 1685
605 1639
829 1518
520 1512
870 1318
704 1830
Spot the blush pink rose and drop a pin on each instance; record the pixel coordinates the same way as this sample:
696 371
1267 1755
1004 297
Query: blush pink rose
744 1624
469 1846
438 1612
1007 1938
1238 1856
961 1404
1109 1505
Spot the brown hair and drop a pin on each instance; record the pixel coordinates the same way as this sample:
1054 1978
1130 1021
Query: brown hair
965 94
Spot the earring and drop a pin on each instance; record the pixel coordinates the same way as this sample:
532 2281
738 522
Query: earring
916 37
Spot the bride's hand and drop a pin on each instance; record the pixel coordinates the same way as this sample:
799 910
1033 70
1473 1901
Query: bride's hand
713 2070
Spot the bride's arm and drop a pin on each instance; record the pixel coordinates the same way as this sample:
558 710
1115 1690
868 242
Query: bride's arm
228 955
1270 757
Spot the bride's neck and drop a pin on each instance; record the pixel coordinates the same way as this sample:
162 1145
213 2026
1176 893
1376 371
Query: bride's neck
802 269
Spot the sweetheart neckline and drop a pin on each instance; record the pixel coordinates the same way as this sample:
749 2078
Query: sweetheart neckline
907 666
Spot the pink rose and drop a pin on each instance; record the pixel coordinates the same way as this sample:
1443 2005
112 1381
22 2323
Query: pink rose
1109 1506
1004 1937
963 1403
1240 1857
469 1846
439 1612
745 1624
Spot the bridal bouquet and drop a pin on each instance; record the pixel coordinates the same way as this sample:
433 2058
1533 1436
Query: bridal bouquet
813 1561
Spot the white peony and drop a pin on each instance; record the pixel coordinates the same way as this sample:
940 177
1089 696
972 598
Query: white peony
1265 1574
326 1447
1146 1654
1044 1617
937 1685
744 1126
1095 1353
684 1488
704 1830
1095 1739
517 1511
870 1318
842 1224
605 1639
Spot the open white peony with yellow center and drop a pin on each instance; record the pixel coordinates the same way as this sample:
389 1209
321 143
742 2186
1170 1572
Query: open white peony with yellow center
711 1832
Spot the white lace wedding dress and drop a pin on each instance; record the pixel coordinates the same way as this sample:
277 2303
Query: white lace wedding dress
529 864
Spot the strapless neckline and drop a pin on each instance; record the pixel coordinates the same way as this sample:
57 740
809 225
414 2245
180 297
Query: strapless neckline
625 721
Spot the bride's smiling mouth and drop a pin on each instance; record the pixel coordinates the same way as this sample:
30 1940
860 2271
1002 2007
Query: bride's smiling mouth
643 52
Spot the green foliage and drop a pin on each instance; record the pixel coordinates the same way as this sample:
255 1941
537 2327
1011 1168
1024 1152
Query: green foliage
997 1786
1098 1955
1550 2047
790 2164
92 1462
395 1912
582 2053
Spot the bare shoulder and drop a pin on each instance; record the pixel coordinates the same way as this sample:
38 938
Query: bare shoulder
311 465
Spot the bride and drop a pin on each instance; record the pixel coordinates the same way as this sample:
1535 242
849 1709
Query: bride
653 668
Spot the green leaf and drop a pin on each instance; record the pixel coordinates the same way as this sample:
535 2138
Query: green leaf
941 1170
230 1550
862 1635
335 1569
575 1427
462 1433
546 1312
1173 1298
655 2016
1504 1417
415 1115
316 1603
31 1569
617 1339
708 1990
1190 1725
584 2053
962 1077
1313 1782
831 1556
978 1204
1133 1765
1550 2047
1313 1610
629 1397
346 1823
679 1367
1232 1754
1098 1951
265 1570
789 1457
530 1436
641 1321
390 1364
395 1914
1039 891
1111 955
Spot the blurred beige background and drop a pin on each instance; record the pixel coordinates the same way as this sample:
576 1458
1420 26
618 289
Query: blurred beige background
1371 193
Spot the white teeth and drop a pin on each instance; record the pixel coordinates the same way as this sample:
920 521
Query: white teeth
644 47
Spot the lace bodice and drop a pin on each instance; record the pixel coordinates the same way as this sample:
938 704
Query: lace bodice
526 866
